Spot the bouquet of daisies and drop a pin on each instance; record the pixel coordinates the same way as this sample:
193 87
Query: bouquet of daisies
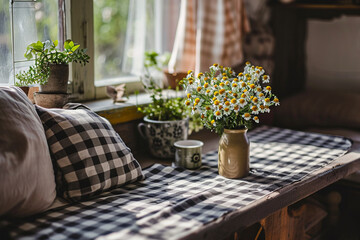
225 100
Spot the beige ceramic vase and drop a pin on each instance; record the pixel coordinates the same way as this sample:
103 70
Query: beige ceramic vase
234 154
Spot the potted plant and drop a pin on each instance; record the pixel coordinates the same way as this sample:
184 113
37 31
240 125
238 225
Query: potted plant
157 64
229 104
166 117
51 69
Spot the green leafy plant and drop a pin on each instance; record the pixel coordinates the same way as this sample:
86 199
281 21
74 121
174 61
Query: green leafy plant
162 108
45 54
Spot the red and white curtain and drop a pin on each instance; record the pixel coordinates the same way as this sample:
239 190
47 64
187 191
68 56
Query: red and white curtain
209 31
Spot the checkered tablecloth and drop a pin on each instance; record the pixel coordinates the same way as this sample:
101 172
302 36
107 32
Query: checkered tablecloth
173 202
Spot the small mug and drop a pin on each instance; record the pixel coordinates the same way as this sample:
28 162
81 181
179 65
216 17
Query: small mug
188 153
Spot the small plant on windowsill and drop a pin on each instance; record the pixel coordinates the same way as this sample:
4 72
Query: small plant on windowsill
46 54
51 70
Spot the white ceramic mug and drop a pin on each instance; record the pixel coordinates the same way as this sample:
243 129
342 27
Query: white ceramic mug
188 153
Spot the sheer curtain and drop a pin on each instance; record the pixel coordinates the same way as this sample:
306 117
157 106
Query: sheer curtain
209 31
151 27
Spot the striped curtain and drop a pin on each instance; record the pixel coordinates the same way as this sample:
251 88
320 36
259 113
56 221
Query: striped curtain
209 31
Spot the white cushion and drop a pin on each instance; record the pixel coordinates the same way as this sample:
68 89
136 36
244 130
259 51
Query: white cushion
27 182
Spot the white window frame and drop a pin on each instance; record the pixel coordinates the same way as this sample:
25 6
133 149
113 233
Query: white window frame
80 28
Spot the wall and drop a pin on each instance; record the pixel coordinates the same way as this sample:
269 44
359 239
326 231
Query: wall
333 54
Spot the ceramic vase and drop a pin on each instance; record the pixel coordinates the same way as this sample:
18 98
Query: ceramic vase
161 135
234 153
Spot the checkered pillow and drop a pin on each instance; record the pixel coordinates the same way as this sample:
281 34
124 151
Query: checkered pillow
89 156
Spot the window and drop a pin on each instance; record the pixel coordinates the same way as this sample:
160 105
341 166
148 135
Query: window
115 32
24 17
124 30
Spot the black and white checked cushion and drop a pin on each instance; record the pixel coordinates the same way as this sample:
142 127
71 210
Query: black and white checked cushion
174 202
89 156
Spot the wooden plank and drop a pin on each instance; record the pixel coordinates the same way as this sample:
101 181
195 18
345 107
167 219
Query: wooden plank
277 200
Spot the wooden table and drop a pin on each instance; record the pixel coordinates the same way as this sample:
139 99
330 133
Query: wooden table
274 202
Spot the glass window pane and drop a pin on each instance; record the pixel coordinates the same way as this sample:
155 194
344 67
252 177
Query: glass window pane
110 21
5 42
46 16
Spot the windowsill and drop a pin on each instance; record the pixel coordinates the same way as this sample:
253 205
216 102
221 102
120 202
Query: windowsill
124 112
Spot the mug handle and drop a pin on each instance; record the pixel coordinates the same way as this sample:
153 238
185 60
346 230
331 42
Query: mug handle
141 129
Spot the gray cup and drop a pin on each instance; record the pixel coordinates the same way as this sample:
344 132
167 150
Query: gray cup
188 153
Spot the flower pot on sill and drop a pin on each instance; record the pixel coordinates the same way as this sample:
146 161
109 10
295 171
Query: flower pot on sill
234 153
161 135
58 79
174 78
50 100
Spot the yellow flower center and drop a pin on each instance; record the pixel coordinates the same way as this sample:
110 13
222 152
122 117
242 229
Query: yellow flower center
255 100
217 113
235 94
190 71
197 100
234 85
206 85
214 99
188 95
217 102
227 83
236 107
261 95
267 100
258 89
244 90
243 95
252 86
265 77
243 84
215 64
256 118
227 103
212 122
236 80
187 103
246 115
233 101
207 108
216 93
242 101
254 108
202 116
198 89
222 84
268 88
206 78
200 74
221 91
208 90
276 100
220 107
191 82
226 109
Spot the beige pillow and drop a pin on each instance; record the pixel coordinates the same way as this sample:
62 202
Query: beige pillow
27 184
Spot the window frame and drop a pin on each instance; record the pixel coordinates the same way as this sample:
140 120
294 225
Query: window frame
80 28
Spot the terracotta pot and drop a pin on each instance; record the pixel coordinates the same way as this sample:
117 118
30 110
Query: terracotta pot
25 89
234 154
58 79
161 135
174 78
